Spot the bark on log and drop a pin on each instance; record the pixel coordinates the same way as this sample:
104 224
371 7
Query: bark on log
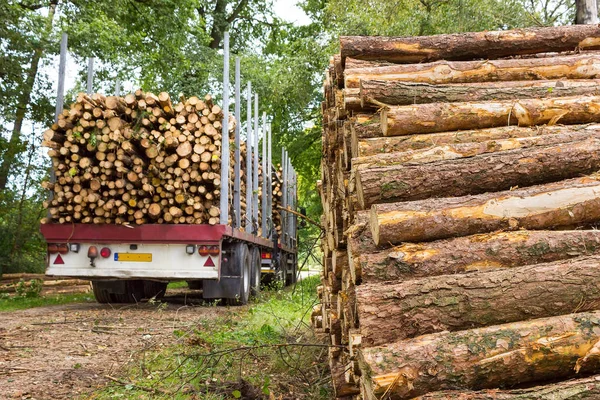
585 66
474 253
565 203
581 389
443 117
374 92
362 147
479 174
472 45
504 355
462 150
393 311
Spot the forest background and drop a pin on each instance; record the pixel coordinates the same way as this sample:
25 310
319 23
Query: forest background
175 46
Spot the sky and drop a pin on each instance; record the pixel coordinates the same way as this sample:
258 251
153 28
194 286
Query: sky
287 9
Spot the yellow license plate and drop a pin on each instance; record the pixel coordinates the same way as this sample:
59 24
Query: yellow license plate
135 257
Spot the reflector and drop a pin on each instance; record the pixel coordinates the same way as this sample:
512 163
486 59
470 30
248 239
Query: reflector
105 252
209 262
59 260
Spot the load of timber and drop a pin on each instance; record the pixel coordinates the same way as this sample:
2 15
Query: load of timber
460 185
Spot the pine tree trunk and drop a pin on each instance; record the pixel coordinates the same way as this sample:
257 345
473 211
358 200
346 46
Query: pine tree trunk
373 92
390 311
472 45
474 253
473 175
504 355
565 203
444 117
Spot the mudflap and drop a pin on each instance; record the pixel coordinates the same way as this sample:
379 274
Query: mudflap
228 287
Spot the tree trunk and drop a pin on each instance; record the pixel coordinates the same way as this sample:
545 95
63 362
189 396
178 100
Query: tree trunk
474 253
565 203
586 66
24 100
586 12
479 174
362 147
443 117
470 149
393 311
505 355
373 93
581 389
472 45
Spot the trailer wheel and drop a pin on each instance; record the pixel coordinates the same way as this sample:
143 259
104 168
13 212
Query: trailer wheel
118 291
154 289
255 272
283 269
243 258
293 270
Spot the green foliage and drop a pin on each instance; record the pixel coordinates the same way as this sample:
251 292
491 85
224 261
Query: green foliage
20 303
30 289
245 352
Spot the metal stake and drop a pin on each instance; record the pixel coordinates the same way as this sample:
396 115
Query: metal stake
249 172
237 206
90 76
225 136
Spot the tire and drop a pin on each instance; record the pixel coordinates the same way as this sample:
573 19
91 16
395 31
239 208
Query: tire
255 272
118 291
243 258
283 269
154 289
293 273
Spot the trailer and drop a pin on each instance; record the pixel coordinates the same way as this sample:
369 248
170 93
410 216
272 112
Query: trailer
229 260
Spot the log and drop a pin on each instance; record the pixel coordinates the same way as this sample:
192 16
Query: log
504 355
481 252
460 150
583 389
363 147
565 203
479 174
443 117
374 92
392 311
580 66
472 45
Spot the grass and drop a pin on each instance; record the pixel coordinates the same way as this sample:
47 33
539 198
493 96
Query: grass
21 303
257 351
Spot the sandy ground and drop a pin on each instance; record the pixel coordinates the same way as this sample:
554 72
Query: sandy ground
63 352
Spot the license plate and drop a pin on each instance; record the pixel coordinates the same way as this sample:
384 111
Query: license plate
134 257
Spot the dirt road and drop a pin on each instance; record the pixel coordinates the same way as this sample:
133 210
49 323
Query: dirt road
62 352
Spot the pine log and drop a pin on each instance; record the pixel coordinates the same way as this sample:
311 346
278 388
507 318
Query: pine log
481 252
472 45
470 149
565 203
390 311
479 174
584 66
581 389
363 147
443 117
373 92
504 355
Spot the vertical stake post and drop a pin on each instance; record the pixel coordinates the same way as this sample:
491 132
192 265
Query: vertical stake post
283 197
255 178
90 75
249 172
237 202
270 181
62 66
265 174
118 87
224 204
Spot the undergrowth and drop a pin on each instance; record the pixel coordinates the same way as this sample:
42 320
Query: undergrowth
12 303
265 350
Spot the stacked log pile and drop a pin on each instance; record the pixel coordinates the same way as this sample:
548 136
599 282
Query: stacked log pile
138 159
461 194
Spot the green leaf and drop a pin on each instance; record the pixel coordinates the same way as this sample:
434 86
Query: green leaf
237 394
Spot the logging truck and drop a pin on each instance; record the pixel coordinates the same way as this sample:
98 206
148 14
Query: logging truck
145 191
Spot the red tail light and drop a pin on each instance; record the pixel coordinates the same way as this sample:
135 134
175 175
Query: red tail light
214 250
105 252
63 248
203 250
266 256
52 248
